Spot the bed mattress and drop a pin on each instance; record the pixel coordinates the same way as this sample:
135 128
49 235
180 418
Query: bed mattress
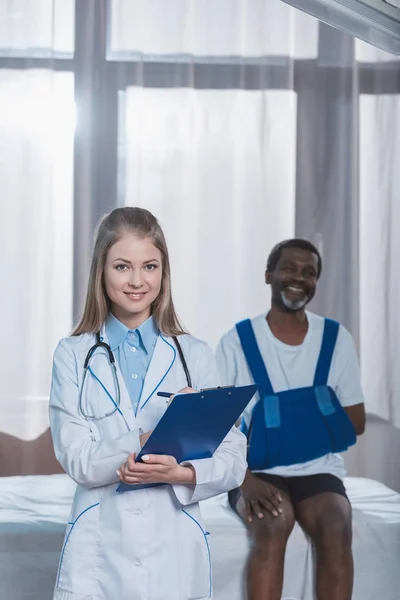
34 511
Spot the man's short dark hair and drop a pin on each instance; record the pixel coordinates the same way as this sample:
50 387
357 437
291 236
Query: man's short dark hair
276 252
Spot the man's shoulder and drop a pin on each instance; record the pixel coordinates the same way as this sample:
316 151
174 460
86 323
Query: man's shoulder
317 323
232 337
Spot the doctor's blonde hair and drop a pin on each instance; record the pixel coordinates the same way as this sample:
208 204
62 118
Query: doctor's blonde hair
142 223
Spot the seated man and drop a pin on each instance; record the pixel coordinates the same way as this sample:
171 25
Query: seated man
310 406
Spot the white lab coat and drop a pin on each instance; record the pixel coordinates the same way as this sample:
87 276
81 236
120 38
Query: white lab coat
145 544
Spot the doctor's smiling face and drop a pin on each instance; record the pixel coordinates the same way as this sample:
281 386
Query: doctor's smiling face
130 274
133 278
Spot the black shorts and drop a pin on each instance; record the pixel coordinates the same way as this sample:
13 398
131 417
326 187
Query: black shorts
297 488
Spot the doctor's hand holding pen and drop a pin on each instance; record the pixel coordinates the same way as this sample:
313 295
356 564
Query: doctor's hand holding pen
170 397
157 468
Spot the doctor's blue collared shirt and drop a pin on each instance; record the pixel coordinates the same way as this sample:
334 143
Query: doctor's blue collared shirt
133 349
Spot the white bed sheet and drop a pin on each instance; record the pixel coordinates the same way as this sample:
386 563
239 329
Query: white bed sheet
376 547
34 511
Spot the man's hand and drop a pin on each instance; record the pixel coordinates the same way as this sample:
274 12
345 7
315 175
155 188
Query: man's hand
260 496
156 469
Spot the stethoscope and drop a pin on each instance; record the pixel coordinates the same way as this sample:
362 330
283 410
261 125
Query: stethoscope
86 367
100 344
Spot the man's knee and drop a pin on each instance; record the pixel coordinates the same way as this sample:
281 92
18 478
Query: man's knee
271 533
333 530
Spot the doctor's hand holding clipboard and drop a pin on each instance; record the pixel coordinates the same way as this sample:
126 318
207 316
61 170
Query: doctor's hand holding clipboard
156 468
191 429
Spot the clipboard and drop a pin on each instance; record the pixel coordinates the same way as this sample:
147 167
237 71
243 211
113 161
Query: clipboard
194 425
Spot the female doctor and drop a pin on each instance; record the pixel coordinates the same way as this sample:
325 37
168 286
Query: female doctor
144 544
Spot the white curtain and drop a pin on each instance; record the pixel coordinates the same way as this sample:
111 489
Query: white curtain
379 254
37 27
217 166
379 144
218 170
36 182
204 29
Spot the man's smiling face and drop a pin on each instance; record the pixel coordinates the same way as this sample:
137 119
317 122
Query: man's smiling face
294 279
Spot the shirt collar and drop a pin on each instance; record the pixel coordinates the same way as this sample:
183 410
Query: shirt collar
116 333
148 332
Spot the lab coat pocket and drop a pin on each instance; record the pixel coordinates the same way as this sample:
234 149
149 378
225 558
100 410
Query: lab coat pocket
195 557
79 560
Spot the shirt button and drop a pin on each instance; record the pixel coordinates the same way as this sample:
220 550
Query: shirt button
134 376
133 349
138 563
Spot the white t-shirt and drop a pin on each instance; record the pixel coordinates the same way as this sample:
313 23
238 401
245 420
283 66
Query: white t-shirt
291 367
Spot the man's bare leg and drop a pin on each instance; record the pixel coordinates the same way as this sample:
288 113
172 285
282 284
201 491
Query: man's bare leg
269 535
326 518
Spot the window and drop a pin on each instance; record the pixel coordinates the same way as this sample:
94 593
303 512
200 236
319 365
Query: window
51 36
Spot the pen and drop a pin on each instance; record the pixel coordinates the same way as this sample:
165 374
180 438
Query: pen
219 387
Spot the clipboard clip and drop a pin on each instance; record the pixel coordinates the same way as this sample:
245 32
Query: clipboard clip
219 387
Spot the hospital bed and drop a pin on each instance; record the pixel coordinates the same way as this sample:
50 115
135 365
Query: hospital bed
34 511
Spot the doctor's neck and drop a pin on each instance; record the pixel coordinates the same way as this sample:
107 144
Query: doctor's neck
130 320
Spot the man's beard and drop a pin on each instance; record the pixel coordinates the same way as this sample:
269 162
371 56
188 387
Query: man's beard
294 305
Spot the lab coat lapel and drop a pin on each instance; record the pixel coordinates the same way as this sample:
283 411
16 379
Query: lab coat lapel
163 358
